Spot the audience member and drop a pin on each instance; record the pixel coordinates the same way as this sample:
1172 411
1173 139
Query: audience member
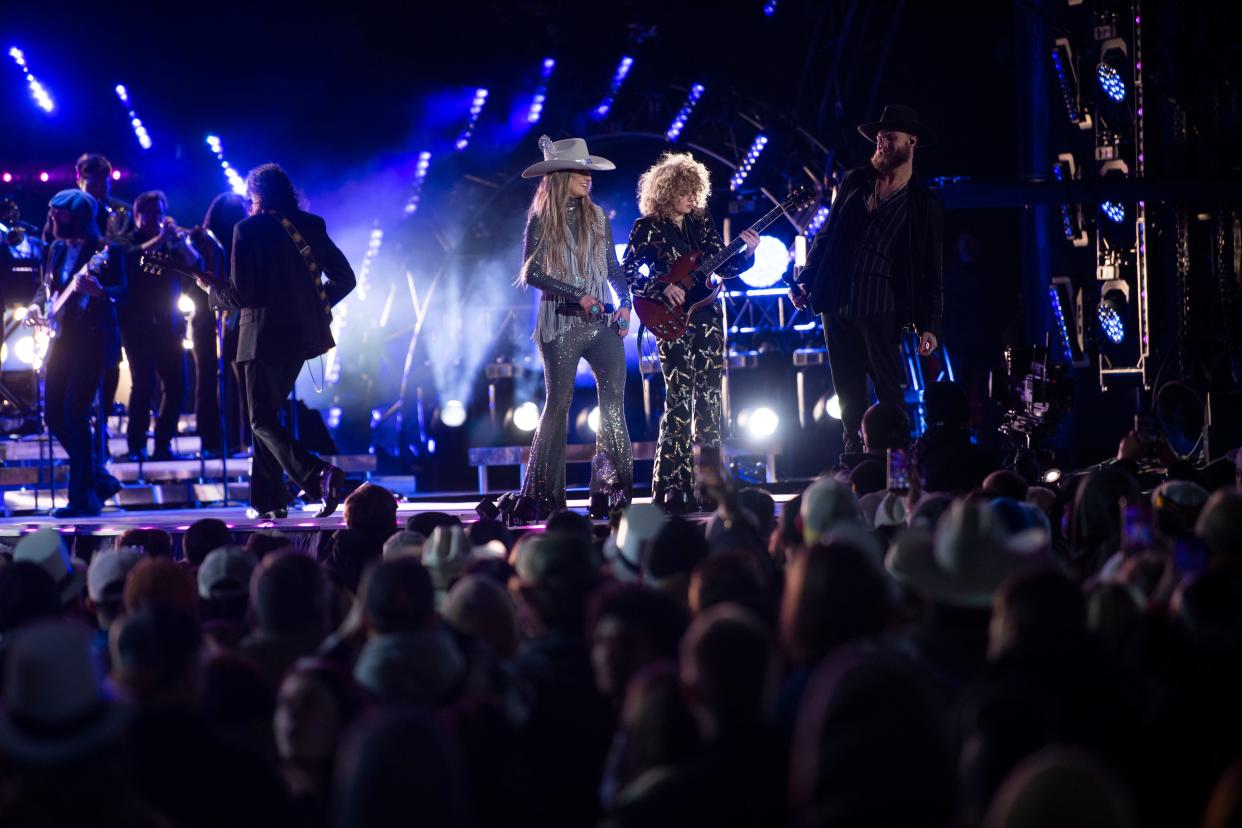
479 606
202 537
403 543
46 549
400 767
265 542
288 598
424 523
677 549
154 543
27 594
633 626
158 582
316 703
105 592
1220 527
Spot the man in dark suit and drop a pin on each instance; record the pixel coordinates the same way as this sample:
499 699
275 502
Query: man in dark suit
875 269
87 342
286 276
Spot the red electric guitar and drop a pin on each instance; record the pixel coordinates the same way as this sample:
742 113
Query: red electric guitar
692 273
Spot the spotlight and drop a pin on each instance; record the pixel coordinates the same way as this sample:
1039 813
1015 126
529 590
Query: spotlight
760 423
24 350
44 177
1115 211
1064 170
1051 476
679 122
771 262
8 178
116 175
187 344
1111 70
185 304
593 420
526 417
827 407
453 414
1112 310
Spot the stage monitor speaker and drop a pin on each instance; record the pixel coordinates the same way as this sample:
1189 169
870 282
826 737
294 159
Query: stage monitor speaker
1222 427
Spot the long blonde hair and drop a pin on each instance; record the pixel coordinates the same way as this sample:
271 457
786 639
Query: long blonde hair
548 205
674 175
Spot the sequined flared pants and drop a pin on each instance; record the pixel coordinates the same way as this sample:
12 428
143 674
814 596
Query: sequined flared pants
612 468
693 367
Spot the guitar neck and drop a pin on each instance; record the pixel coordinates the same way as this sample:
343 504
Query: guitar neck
734 247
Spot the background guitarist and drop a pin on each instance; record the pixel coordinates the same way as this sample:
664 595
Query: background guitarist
672 197
152 327
86 343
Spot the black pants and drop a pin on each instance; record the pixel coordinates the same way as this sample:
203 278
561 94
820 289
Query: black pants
153 346
267 386
858 349
693 368
207 391
75 368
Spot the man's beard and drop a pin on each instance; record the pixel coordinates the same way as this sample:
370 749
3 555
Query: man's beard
887 162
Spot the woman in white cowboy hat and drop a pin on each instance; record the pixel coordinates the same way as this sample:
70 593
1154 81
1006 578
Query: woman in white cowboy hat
569 256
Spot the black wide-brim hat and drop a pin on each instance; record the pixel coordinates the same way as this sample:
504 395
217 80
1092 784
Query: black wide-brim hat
900 118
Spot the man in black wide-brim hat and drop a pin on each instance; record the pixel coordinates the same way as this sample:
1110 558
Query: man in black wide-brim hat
875 268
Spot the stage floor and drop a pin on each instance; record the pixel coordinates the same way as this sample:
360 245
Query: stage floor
177 521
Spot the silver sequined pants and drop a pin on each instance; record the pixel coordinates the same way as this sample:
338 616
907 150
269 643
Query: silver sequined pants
612 468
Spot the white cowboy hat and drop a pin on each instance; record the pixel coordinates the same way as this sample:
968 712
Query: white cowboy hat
570 154
969 558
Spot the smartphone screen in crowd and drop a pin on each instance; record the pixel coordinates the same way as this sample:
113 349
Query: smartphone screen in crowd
898 471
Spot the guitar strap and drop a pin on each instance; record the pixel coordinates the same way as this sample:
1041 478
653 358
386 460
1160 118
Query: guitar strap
308 256
312 267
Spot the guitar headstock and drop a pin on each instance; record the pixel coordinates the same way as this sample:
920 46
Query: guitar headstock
801 197
157 263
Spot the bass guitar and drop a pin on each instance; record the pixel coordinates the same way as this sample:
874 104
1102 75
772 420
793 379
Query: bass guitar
692 273
48 322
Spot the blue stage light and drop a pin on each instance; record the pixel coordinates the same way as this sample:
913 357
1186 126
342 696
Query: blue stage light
1111 323
236 183
618 78
1111 82
140 131
679 122
769 8
41 97
752 156
817 221
1116 212
420 176
771 262
536 105
476 109
1058 315
368 260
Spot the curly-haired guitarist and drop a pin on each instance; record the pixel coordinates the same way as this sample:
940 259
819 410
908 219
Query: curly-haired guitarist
672 197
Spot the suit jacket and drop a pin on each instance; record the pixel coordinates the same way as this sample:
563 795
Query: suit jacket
918 270
94 317
282 315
